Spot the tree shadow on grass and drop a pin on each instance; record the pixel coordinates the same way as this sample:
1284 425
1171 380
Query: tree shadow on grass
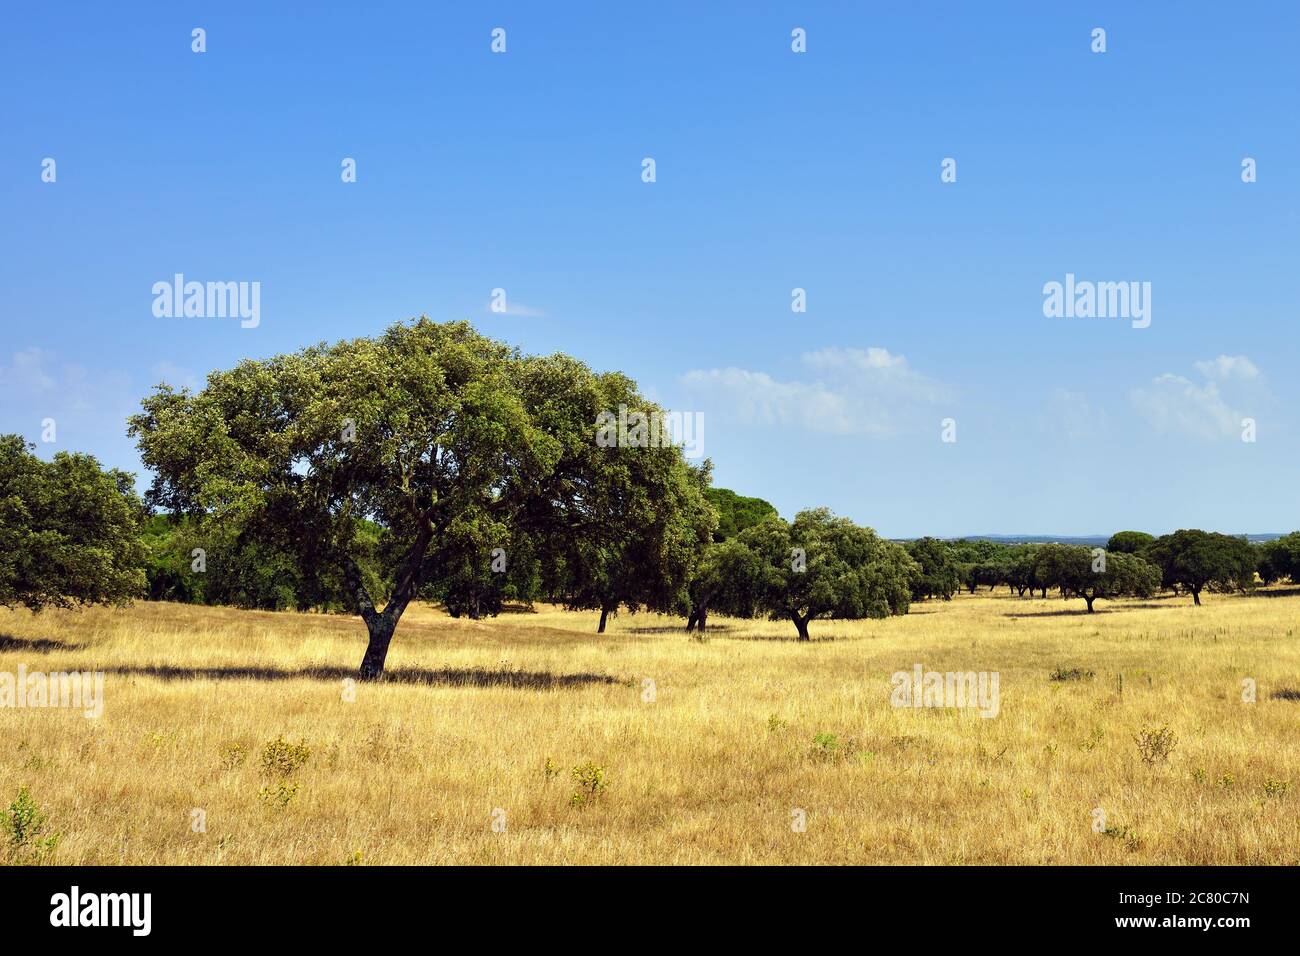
37 645
679 629
443 677
791 638
1064 612
1280 592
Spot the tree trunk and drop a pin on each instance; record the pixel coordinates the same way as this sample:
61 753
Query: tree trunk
381 628
691 620
1196 596
604 616
704 618
802 624
381 624
1090 600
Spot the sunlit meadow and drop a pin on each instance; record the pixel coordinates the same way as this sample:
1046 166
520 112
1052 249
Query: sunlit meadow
528 738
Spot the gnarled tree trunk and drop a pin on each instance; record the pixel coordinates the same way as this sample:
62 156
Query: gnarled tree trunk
381 624
801 623
381 630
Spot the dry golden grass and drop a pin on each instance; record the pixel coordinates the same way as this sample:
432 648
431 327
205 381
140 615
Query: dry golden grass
709 772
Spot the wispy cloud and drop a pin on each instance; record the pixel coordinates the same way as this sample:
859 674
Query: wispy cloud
848 391
34 387
1228 368
1175 404
27 373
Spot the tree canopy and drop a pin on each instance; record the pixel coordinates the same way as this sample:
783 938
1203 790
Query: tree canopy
1093 573
446 440
736 512
1196 559
69 530
825 567
1128 542
938 577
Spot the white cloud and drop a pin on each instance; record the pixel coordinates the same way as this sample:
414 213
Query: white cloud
1177 405
855 391
27 373
1228 367
87 408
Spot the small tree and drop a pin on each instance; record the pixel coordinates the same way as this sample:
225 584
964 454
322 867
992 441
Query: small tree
939 575
69 531
1196 559
1019 568
729 579
1088 574
1279 558
821 566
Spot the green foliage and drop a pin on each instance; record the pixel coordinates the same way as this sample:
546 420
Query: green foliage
616 524
939 576
278 794
1279 559
447 442
26 827
1080 572
589 780
241 571
824 567
282 759
69 531
1129 542
736 512
1196 559
729 579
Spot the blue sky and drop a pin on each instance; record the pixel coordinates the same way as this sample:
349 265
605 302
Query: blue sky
774 170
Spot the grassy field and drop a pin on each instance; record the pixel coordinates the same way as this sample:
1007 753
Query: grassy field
484 722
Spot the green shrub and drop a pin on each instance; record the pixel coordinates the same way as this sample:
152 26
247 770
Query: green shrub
281 758
30 839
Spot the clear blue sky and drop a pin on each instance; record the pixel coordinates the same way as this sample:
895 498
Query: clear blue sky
775 170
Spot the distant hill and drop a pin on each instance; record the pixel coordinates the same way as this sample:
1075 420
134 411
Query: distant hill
1091 540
